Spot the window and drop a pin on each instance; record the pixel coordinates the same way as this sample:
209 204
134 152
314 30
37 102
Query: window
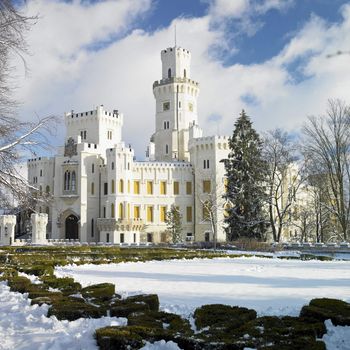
92 188
121 186
105 188
206 186
149 187
107 237
149 237
179 104
47 189
121 211
163 187
166 106
41 172
205 211
189 236
92 167
207 236
190 107
162 214
189 214
184 73
104 212
136 212
92 228
166 124
128 210
40 190
66 180
166 149
150 213
136 187
83 134
112 186
176 187
73 181
122 238
134 237
206 163
112 166
188 187
112 211
109 135
169 73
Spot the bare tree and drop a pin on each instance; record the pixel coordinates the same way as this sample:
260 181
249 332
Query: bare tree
284 178
18 139
327 145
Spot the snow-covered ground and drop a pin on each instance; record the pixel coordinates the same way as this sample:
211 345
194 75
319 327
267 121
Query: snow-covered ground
270 286
26 327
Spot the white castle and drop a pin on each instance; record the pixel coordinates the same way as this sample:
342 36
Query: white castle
100 193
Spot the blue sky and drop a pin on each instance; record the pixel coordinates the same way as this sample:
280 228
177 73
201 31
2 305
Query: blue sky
269 57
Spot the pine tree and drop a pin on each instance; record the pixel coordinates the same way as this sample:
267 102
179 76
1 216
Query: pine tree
245 172
173 220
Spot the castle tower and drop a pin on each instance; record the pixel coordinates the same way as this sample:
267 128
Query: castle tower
176 105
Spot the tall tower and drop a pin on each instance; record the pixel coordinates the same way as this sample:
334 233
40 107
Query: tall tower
176 105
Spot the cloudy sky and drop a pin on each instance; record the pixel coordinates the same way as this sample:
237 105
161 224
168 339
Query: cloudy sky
277 59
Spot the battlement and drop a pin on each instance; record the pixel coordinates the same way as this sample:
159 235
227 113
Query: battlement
176 49
98 112
40 160
163 165
207 142
173 80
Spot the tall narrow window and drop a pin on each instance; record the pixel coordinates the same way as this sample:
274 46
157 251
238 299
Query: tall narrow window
92 228
47 189
112 166
162 214
112 187
105 188
73 181
92 188
163 187
184 73
149 187
166 149
176 187
112 211
107 237
136 212
169 73
189 214
136 187
66 180
121 211
104 212
121 186
92 167
188 187
206 186
150 213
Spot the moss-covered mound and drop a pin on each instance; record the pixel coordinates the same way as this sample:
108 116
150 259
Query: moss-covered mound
337 311
101 291
149 299
66 285
124 308
71 309
222 316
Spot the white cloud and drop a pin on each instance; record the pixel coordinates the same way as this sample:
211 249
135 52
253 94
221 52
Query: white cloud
65 75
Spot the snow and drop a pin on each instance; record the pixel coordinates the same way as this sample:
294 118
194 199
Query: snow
26 327
337 337
161 345
270 286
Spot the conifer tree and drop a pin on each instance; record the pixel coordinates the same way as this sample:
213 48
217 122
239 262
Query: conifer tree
173 221
245 172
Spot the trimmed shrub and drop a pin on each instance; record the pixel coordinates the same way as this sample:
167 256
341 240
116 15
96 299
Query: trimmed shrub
123 308
150 299
102 291
322 309
66 284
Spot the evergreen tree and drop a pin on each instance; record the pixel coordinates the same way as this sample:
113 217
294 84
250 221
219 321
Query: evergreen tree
173 220
245 172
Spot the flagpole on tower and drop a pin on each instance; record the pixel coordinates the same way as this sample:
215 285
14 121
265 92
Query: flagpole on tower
175 34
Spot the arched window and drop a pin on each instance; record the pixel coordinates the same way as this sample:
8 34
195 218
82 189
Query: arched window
66 180
121 211
112 187
92 188
73 181
169 73
184 73
121 186
112 211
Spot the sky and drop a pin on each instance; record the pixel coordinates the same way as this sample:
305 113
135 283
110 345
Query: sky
277 59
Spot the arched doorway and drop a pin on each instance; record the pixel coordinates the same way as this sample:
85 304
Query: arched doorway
72 227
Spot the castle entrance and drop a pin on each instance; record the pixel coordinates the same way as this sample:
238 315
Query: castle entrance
72 230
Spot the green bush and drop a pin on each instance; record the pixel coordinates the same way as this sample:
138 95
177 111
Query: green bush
150 299
123 308
19 284
102 291
65 284
322 309
219 316
38 270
